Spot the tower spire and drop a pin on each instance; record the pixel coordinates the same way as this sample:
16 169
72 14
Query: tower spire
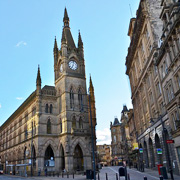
55 45
38 79
80 43
91 87
66 18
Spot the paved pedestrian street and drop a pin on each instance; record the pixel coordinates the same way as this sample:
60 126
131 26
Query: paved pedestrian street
111 175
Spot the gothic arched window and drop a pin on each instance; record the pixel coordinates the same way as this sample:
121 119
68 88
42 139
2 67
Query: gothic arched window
71 98
46 108
51 109
49 126
73 122
80 123
80 99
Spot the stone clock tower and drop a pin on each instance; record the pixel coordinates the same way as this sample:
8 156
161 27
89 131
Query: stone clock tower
72 101
52 127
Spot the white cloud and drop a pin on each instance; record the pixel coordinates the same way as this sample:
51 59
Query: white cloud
21 43
103 136
0 106
19 98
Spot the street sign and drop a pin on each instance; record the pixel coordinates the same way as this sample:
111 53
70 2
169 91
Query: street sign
159 151
169 141
141 150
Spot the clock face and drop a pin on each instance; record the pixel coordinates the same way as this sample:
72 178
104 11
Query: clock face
61 68
73 65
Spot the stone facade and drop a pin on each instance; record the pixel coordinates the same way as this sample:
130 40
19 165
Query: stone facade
104 154
149 102
52 127
116 146
129 138
168 65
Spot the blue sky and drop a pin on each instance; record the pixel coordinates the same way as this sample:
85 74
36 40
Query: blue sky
27 36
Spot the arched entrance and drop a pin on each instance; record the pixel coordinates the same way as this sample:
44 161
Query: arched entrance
158 149
49 157
62 158
151 152
146 155
78 159
34 156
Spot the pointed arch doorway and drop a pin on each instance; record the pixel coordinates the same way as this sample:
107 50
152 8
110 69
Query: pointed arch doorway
78 159
49 157
62 158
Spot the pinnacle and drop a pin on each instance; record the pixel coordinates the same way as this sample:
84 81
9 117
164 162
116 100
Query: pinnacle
38 80
91 84
66 18
80 43
55 44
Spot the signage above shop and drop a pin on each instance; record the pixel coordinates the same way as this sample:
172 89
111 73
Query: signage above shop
169 141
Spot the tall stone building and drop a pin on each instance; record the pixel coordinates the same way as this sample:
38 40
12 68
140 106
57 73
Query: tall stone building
128 133
104 154
168 65
116 136
150 112
52 128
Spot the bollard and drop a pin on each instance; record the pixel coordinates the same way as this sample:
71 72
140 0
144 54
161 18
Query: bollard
145 178
67 175
106 176
58 174
73 175
62 175
98 177
53 173
116 176
161 177
128 177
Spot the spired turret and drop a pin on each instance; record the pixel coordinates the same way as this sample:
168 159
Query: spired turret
80 46
38 92
38 80
55 50
66 18
56 56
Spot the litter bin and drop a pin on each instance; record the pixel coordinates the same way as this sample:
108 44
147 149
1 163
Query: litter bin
89 174
163 172
159 165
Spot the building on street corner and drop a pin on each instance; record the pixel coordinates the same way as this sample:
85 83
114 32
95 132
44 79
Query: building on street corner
153 66
168 65
116 138
51 130
104 154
